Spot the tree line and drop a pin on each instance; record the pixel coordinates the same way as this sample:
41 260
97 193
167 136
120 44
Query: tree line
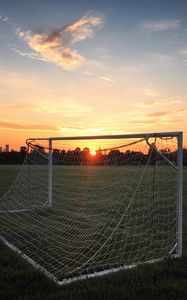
109 157
39 155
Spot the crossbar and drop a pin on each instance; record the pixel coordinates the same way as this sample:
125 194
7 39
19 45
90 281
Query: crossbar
102 137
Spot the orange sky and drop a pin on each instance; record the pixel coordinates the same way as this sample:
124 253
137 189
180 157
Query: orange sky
90 73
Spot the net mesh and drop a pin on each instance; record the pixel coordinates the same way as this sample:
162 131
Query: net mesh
113 204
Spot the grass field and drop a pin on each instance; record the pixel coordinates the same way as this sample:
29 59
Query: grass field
165 280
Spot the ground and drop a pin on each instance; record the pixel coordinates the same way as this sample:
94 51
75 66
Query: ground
164 280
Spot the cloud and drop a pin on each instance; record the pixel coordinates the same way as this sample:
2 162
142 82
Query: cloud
79 130
160 25
87 73
158 114
32 55
163 117
181 112
151 92
66 107
140 121
33 127
19 107
149 103
99 77
161 57
57 46
15 80
167 117
160 102
5 19
183 52
107 79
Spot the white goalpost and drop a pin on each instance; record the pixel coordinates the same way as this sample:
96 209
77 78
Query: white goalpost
87 206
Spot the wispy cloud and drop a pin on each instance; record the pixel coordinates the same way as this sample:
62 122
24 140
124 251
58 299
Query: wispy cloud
66 107
33 127
57 47
159 102
157 118
158 114
107 79
151 92
161 57
33 55
160 25
140 121
79 130
5 19
181 112
16 80
183 52
88 73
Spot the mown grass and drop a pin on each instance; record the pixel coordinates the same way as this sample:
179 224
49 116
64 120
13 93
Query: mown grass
165 280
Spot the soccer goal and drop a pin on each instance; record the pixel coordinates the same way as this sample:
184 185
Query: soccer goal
87 206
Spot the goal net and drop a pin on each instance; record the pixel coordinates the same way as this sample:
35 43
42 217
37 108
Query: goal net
87 206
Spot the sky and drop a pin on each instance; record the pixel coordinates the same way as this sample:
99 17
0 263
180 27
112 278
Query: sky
82 67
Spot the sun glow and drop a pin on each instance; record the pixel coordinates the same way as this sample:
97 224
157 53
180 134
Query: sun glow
93 153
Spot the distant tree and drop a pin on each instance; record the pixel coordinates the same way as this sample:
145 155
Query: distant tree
77 150
56 151
23 149
152 153
86 150
114 156
85 156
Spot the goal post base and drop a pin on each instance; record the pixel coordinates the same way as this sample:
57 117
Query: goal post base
28 259
77 278
86 276
107 272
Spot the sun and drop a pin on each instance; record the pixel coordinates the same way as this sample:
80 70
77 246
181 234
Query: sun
93 153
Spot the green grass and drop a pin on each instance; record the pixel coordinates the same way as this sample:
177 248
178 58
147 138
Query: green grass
165 280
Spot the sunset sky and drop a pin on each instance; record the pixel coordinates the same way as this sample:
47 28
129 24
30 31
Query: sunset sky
82 67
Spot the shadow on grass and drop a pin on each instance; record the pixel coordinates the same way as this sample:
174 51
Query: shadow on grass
165 280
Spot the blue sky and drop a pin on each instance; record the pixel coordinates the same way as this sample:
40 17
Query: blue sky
75 67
